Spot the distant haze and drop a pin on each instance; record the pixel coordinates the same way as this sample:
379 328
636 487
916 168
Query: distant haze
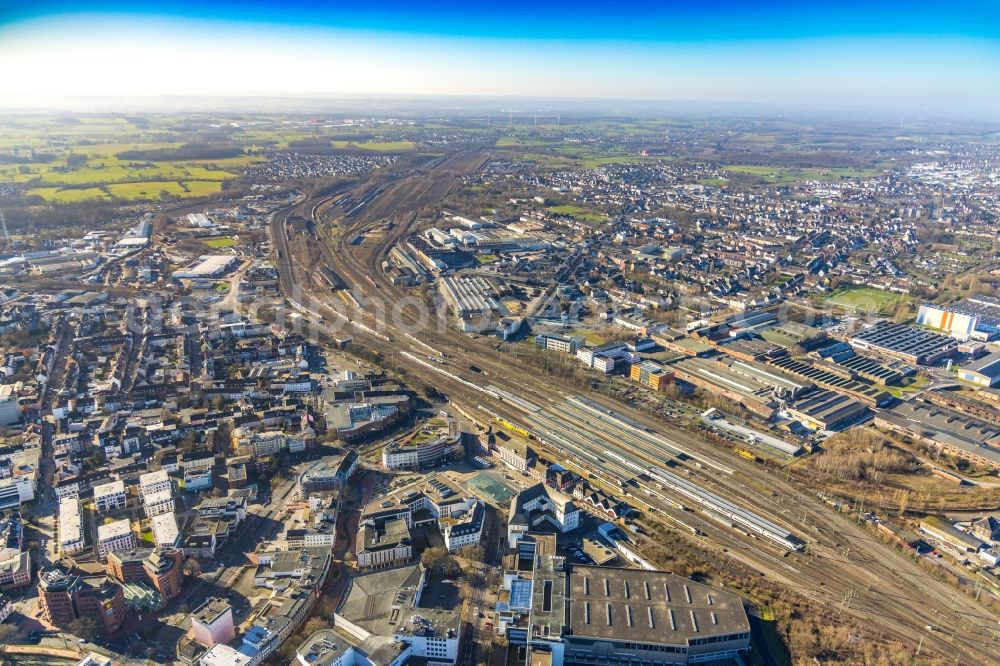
915 57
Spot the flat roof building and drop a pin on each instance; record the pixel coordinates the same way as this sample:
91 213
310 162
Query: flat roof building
70 527
10 407
207 266
742 388
387 603
984 372
912 344
976 317
110 497
625 616
114 536
212 623
827 410
165 530
608 615
953 432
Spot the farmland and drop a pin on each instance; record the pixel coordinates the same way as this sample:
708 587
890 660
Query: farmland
378 146
59 160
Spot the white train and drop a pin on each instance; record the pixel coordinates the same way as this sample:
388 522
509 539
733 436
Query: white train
740 517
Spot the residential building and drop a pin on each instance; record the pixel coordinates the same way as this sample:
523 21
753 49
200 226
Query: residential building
114 536
165 532
15 569
158 502
70 527
110 497
6 608
154 482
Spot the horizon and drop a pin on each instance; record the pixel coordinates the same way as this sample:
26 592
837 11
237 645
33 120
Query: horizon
896 57
416 106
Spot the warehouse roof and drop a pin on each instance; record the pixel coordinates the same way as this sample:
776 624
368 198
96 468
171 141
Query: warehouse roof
649 606
988 365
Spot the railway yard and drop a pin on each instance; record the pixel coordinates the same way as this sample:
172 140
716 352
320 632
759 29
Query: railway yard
727 507
663 358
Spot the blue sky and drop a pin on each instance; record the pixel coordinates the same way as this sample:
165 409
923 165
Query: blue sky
909 55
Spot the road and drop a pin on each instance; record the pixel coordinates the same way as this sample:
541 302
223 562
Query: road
844 567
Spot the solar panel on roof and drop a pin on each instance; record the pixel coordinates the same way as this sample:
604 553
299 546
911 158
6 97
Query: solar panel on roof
520 594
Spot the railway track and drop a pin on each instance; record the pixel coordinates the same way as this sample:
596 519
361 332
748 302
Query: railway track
845 567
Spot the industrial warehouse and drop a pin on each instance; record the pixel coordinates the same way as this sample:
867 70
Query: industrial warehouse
206 267
474 302
906 342
977 317
984 372
582 614
950 431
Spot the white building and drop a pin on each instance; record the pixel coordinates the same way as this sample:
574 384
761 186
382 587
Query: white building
200 221
110 497
268 443
536 505
70 527
68 490
165 531
154 482
159 502
465 528
94 659
6 608
22 484
207 266
114 536
10 408
223 655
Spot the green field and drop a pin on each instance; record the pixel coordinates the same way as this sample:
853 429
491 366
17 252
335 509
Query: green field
61 195
72 159
216 243
378 146
154 189
593 338
866 298
712 182
201 188
577 212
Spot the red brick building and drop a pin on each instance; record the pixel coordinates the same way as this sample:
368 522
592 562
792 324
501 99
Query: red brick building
159 568
64 596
